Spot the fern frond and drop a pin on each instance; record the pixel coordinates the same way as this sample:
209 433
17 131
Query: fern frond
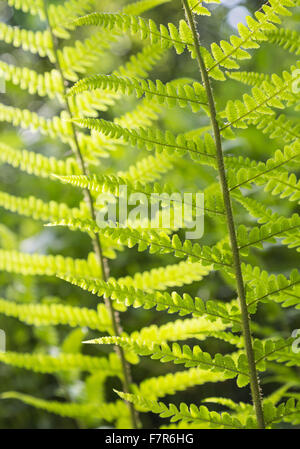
88 103
103 411
62 16
261 286
181 95
285 186
113 184
96 144
287 39
54 314
277 127
145 113
140 64
38 209
173 303
141 6
158 387
43 363
269 95
58 126
225 402
199 328
34 7
157 241
150 168
265 172
279 350
76 59
186 414
37 264
285 412
249 78
190 357
160 278
8 239
256 209
36 163
48 83
39 42
286 228
142 28
154 139
198 8
267 18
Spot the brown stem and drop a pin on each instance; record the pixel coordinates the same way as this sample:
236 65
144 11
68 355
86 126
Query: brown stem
254 380
116 326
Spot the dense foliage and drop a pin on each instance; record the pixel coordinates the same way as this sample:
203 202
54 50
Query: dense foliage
121 94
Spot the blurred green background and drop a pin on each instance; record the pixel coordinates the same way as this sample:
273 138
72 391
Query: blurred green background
27 235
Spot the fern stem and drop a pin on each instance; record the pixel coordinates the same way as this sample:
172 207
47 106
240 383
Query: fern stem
254 380
116 325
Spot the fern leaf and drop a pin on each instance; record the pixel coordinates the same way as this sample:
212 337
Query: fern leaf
36 163
39 42
107 411
143 28
157 241
287 39
199 328
173 303
227 53
286 228
198 8
145 113
285 186
270 94
113 184
48 83
262 287
158 387
150 168
78 58
185 413
265 173
34 7
61 16
154 139
277 349
54 314
285 412
190 357
141 6
8 239
37 264
249 78
256 208
160 278
277 127
54 127
141 63
168 94
43 363
38 209
88 103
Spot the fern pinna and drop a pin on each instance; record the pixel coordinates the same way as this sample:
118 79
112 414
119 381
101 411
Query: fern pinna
242 205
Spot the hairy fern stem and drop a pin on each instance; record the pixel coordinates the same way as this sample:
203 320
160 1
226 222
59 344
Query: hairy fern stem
116 326
254 380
